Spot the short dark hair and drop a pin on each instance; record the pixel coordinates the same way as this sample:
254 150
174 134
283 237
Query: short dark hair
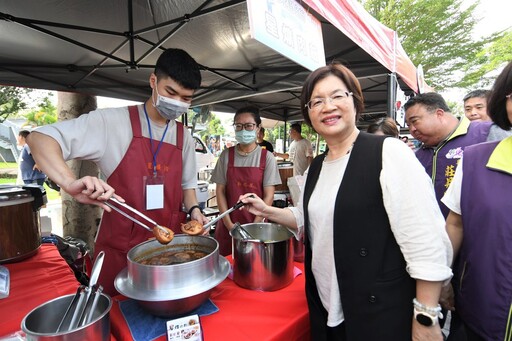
180 66
254 111
297 127
431 100
497 102
479 93
344 74
385 124
23 133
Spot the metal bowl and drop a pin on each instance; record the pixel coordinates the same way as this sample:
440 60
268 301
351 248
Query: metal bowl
42 322
172 290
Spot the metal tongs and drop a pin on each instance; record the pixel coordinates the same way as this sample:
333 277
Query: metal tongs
131 209
219 217
246 236
81 310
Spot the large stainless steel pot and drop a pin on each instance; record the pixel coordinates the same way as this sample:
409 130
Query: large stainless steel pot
20 225
265 262
43 322
172 290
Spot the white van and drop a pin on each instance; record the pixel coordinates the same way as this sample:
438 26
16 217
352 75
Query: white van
204 157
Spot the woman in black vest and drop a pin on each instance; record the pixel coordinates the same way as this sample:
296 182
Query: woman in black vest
376 248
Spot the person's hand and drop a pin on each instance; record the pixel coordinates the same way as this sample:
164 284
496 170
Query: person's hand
424 333
198 215
36 167
447 298
91 190
254 204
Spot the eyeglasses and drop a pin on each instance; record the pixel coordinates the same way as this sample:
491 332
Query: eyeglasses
318 104
245 126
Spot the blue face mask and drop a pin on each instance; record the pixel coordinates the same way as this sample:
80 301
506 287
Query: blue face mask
169 108
245 137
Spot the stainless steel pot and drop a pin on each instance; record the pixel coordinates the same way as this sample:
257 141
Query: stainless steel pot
42 322
264 262
172 290
20 224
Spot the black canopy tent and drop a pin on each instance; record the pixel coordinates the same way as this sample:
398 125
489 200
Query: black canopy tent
109 48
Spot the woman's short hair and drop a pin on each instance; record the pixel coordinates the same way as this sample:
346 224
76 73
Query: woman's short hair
254 111
497 101
386 125
344 74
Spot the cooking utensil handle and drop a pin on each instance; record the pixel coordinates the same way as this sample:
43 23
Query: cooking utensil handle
220 216
137 212
68 310
97 295
96 269
80 306
128 216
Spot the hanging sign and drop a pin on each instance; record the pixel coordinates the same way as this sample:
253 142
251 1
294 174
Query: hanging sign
286 27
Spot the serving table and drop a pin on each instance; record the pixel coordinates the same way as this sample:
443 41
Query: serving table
244 314
34 281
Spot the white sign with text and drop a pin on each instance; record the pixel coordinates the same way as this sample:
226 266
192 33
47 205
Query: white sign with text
286 27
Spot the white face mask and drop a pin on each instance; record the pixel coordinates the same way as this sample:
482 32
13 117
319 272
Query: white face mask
169 108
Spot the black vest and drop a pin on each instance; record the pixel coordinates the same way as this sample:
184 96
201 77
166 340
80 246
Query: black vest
376 290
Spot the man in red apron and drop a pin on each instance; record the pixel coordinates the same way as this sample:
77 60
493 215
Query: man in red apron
152 167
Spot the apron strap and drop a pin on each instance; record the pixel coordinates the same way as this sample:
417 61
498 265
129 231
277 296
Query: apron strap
135 121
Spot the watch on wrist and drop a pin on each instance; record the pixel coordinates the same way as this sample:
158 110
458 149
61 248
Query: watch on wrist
425 319
193 208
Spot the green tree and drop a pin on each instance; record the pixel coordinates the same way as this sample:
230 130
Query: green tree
490 59
46 113
214 127
436 34
11 101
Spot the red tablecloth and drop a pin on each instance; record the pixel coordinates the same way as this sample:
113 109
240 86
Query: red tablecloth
244 314
35 280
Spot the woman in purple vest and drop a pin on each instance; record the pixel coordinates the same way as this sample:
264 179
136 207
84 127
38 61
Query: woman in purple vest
480 227
376 251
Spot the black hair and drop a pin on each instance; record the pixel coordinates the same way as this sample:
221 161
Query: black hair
334 69
497 101
180 66
431 100
254 111
297 127
23 133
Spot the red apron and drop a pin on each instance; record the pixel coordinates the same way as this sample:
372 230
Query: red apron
117 235
240 180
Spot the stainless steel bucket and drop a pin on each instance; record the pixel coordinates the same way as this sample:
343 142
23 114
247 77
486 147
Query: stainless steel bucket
42 322
265 262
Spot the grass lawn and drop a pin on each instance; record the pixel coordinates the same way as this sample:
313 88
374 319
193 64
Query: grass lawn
4 165
50 193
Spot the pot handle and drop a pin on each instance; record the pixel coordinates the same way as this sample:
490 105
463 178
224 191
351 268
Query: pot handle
39 194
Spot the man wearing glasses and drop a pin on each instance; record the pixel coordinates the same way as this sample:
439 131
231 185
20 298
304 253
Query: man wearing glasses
243 168
301 150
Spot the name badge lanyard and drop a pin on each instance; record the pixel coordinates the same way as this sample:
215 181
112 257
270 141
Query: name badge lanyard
155 153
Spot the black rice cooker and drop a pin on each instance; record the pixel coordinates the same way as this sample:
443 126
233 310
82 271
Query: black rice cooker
20 223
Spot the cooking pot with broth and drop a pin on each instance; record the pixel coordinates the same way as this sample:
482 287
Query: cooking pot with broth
173 279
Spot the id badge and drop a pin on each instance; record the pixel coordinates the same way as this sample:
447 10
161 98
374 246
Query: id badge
154 189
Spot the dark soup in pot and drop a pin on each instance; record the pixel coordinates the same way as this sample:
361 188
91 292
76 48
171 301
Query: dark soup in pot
172 257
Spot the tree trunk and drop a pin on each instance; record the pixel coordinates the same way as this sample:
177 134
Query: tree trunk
78 220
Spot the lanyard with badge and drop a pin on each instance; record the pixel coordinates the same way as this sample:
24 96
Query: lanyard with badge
154 185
